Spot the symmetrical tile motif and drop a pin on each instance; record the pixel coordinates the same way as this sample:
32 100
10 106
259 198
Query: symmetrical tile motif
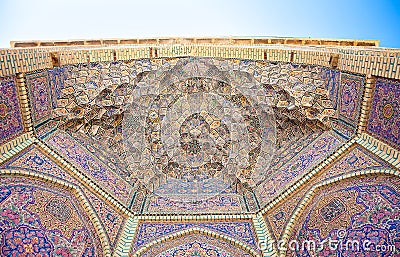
304 161
300 86
39 219
350 97
36 160
94 98
221 203
11 121
243 230
39 96
353 210
384 117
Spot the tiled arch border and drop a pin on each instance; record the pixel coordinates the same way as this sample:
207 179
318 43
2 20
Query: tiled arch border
366 60
312 192
76 191
202 231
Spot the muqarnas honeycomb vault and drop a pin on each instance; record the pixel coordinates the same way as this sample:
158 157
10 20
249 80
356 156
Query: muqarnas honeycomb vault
200 147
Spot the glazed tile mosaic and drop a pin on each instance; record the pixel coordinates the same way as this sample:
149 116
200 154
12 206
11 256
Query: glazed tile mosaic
384 117
35 160
195 245
39 96
287 152
92 166
221 203
46 128
111 220
350 97
97 148
56 78
321 147
243 230
11 121
146 115
355 159
344 129
332 84
354 210
39 219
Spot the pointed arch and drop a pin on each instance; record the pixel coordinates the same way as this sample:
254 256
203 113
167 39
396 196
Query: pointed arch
194 231
316 188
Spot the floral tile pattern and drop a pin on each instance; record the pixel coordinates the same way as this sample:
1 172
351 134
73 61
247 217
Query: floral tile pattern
11 121
92 166
195 245
356 159
38 219
240 230
35 160
384 117
350 97
304 161
39 96
221 203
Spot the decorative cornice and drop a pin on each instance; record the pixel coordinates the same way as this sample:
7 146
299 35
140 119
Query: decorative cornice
374 61
196 40
13 61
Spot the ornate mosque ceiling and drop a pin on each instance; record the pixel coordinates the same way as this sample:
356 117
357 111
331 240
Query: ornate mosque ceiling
188 129
211 154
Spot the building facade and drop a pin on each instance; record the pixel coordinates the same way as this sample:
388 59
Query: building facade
200 147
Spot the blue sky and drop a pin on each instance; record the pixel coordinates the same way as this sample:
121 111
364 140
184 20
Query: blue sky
77 19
